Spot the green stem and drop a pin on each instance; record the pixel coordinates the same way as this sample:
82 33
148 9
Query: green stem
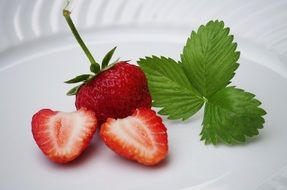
67 14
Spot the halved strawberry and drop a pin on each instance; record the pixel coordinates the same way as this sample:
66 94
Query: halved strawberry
141 137
63 136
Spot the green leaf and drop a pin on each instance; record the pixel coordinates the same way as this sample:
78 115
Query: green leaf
170 88
108 57
74 90
79 78
111 65
95 68
209 58
230 116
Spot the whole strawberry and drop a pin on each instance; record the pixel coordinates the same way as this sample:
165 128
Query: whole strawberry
114 90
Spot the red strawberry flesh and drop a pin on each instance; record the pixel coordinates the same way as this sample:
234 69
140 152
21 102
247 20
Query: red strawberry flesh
141 137
62 136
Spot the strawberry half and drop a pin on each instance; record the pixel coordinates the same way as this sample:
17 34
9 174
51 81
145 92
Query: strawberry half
62 136
141 137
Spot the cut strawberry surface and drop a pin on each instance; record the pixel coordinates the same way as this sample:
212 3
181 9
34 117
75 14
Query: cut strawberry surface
62 136
141 137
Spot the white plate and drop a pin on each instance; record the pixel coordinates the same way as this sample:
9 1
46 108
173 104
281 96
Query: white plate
35 81
31 78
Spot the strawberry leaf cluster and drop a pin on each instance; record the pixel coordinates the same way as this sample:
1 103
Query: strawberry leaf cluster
201 78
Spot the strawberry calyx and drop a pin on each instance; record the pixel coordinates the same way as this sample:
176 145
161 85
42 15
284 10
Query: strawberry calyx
95 67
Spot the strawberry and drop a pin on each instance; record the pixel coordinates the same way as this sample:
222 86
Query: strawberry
115 92
141 137
62 136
